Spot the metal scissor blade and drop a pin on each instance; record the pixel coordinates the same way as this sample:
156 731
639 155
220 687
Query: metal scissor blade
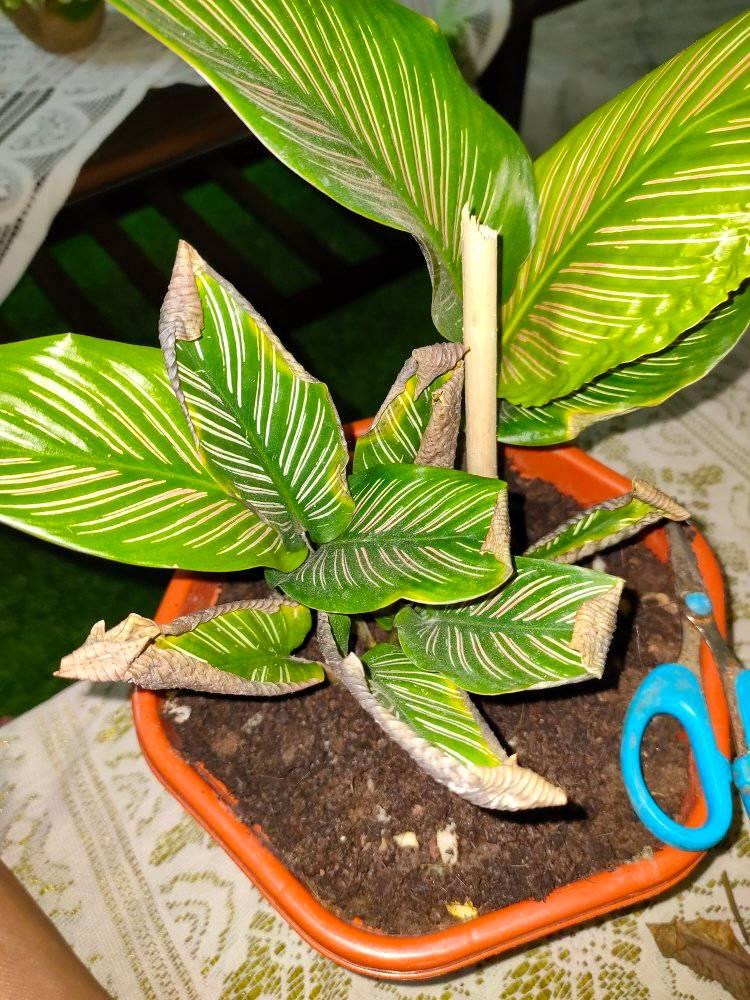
689 584
686 578
684 564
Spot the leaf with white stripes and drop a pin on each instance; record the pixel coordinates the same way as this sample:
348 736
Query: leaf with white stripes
644 223
254 642
646 382
550 625
432 705
262 424
419 419
241 648
437 725
363 99
607 523
424 534
96 456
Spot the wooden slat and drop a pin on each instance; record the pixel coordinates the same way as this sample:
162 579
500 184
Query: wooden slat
81 315
210 245
169 125
277 219
131 259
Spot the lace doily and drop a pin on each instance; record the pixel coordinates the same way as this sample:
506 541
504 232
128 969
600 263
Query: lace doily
54 112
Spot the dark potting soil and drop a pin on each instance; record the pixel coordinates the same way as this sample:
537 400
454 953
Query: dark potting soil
332 793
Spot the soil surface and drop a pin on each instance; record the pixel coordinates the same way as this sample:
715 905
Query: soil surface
332 792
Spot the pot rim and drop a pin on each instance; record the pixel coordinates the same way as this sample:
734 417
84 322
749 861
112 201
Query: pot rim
421 956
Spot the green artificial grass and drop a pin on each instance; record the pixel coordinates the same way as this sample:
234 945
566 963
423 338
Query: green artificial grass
51 597
49 600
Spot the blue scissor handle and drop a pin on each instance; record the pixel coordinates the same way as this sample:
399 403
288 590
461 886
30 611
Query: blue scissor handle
741 766
672 689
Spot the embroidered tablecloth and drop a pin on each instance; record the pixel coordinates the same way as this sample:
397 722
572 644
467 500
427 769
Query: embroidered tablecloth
158 911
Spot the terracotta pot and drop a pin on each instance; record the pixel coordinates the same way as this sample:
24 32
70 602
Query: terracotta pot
426 955
60 27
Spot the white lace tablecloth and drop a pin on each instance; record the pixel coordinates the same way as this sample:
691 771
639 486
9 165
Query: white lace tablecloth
55 110
158 911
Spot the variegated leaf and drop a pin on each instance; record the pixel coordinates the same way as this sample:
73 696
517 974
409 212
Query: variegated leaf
644 223
419 419
261 422
96 456
432 705
646 382
341 627
363 98
432 535
403 704
242 648
607 523
550 625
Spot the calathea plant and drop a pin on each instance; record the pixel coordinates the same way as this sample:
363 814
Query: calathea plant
220 453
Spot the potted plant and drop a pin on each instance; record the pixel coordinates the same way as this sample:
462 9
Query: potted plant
57 25
621 284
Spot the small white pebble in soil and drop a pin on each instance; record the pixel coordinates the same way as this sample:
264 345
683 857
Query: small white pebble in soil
462 911
252 722
180 713
407 840
447 842
599 564
381 815
656 597
342 838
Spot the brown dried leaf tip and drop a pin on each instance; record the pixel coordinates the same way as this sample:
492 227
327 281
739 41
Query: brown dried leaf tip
129 652
708 947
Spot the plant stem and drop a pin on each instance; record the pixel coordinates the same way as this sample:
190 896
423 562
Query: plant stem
733 907
479 261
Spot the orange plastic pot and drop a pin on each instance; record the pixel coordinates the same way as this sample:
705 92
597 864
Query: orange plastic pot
426 955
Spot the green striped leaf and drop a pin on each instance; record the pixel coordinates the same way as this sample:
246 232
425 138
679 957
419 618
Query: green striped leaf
646 382
644 223
341 629
242 648
419 419
266 427
363 98
432 535
253 643
432 705
608 523
95 455
393 691
550 625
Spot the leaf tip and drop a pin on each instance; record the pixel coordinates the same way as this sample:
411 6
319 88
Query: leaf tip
181 314
593 626
497 540
666 506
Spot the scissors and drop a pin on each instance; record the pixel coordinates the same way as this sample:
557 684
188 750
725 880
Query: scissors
675 689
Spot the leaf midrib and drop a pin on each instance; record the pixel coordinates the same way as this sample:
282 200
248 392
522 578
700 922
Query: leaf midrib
604 205
414 540
254 442
499 625
200 485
